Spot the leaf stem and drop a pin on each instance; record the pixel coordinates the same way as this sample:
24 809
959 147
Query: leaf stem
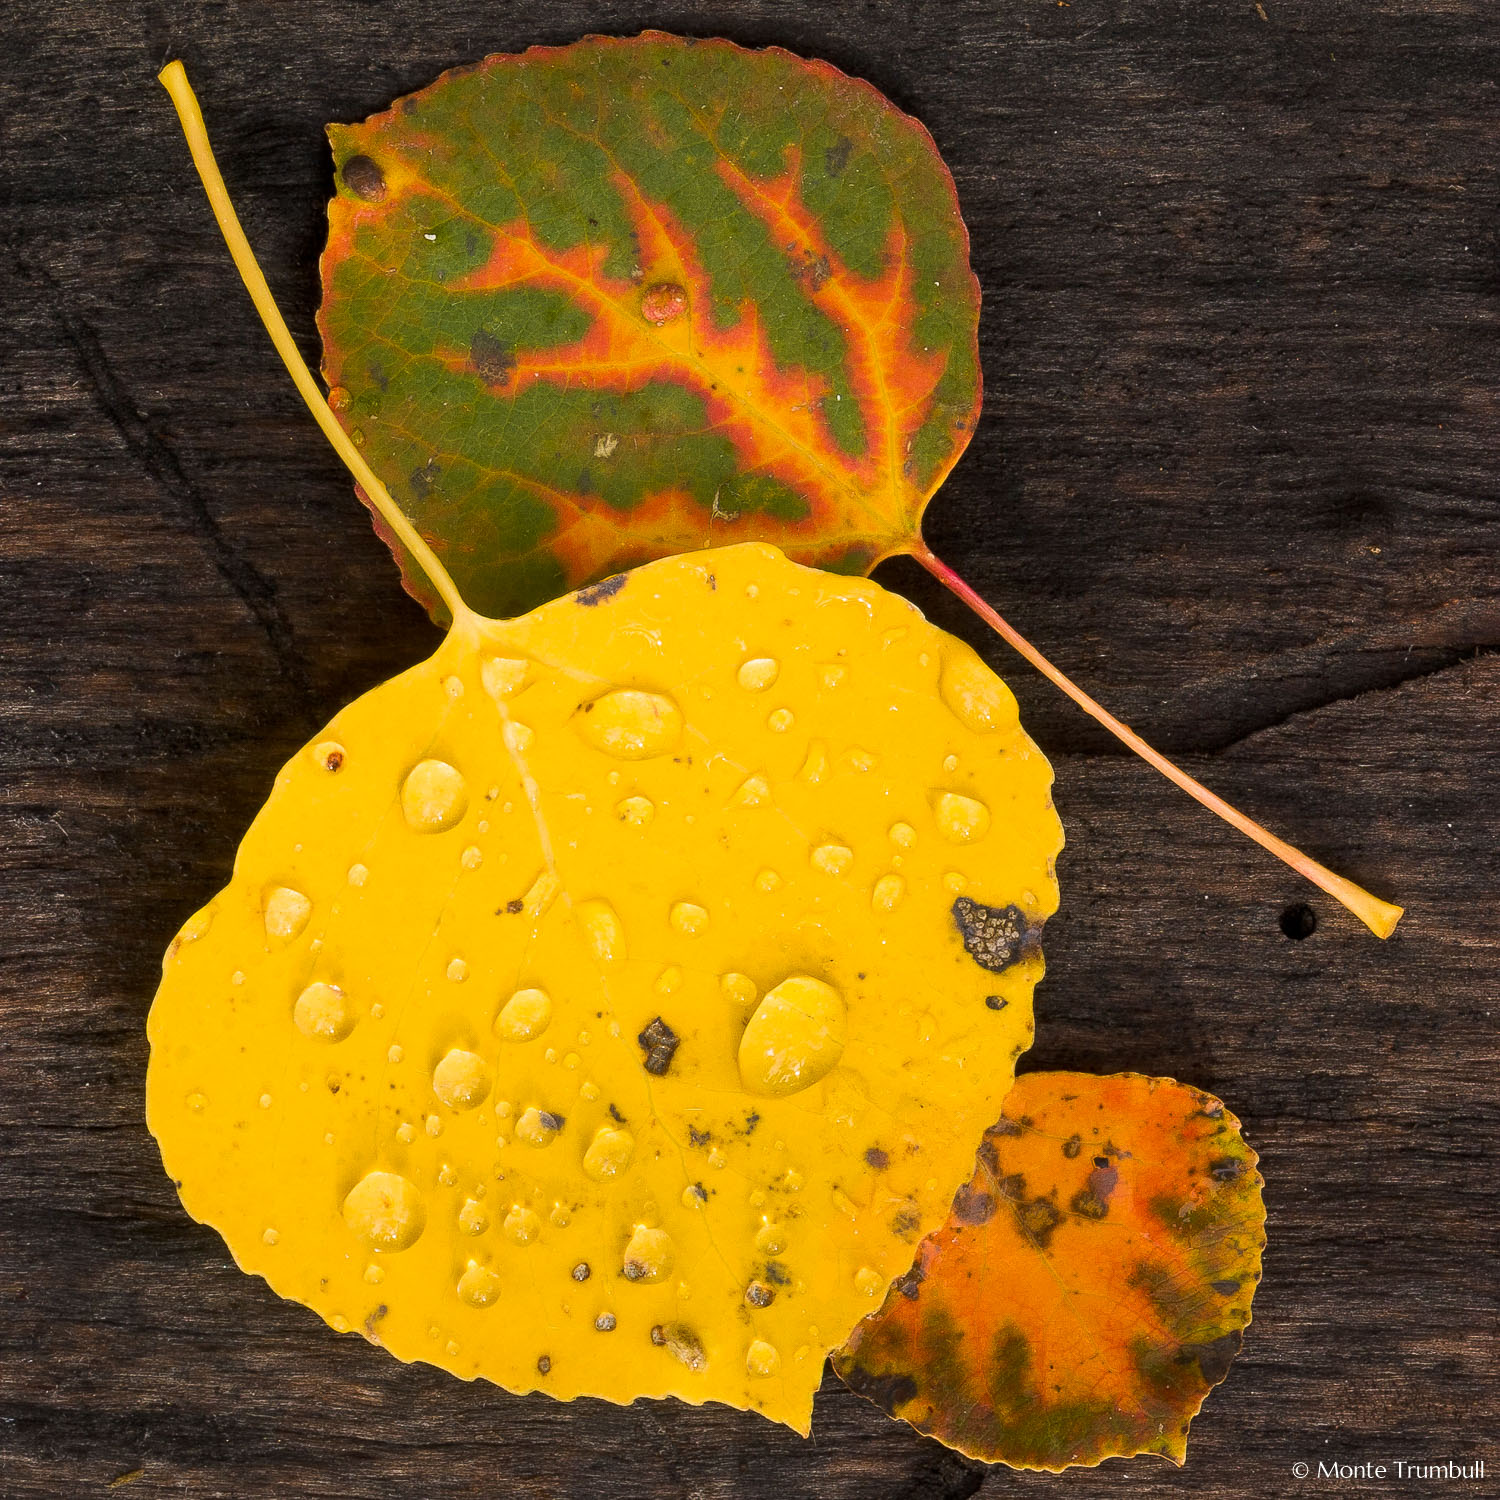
174 79
1379 916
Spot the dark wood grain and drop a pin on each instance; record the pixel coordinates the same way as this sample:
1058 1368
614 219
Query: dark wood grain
1237 471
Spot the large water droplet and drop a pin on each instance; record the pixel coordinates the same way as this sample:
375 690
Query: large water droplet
287 912
526 1014
461 1080
602 930
323 1013
794 1037
433 796
385 1211
976 697
478 1286
960 819
757 674
648 1255
609 1153
630 724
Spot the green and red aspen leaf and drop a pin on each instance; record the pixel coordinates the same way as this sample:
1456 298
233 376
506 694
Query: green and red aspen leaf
590 305
1090 1287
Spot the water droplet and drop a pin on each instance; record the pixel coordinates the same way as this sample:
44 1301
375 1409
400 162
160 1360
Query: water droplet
767 880
739 988
663 302
792 1180
537 1127
521 1225
960 820
693 1196
975 696
542 893
794 1037
270 1236
609 1153
457 971
395 1052
385 1211
636 810
197 1102
461 1079
571 1060
757 674
406 1133
833 676
950 763
374 1274
754 791
478 1286
954 881
433 1126
888 891
265 1101
668 980
605 1322
630 724
473 857
433 796
868 1281
717 1159
903 835
238 977
845 1204
689 919
503 676
770 1239
323 1013
472 1218
589 1091
560 1216
761 1359
861 760
525 1015
453 686
287 912
601 930
779 720
358 874
338 398
815 766
832 859
518 737
648 1255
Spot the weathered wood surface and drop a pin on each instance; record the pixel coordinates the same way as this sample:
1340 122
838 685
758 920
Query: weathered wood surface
1238 471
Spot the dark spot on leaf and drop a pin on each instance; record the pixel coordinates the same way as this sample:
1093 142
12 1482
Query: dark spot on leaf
489 358
1006 1126
615 1115
752 1119
663 302
888 1392
334 760
905 1222
605 1322
877 1159
1101 1161
423 480
777 1274
514 906
685 1344
1087 1205
1215 1357
699 1138
1225 1288
910 1285
972 1206
551 1121
713 584
364 179
660 1042
1072 1146
581 1271
994 936
658 1335
996 1002
836 157
699 1192
372 1320
544 1365
758 1294
597 593
1038 1219
1226 1169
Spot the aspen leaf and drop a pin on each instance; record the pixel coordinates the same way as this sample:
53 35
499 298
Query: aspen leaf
1092 1283
525 1043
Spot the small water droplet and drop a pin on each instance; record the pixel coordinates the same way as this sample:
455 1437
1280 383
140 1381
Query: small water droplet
868 1281
461 1079
358 874
832 859
629 724
757 674
238 977
689 919
453 686
406 1133
950 763
374 1274
779 720
833 676
197 1102
433 1126
663 302
473 856
537 1127
739 988
518 737
265 1101
338 398
975 696
472 1219
761 1359
589 1091
770 1239
433 797
525 1015
560 1215
394 1053
286 913
270 1236
457 971
385 1211
888 892
767 880
754 791
845 1204
960 819
605 1322
636 810
954 881
521 1225
668 980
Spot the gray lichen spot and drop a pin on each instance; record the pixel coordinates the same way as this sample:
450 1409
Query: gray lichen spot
995 937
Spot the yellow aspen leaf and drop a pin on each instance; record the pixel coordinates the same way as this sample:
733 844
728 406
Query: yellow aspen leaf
466 1060
1092 1283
